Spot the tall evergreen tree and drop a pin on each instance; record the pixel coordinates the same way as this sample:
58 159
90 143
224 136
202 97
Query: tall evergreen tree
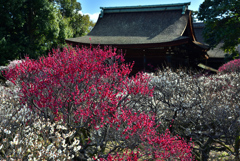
27 27
33 27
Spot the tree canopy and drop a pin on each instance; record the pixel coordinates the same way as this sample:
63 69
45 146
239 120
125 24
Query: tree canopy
34 27
222 23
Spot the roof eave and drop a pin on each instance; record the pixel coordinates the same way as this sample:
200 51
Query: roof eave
145 45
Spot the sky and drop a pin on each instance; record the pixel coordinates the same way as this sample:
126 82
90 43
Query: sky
92 7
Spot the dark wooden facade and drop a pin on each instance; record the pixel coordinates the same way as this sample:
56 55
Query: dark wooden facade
151 36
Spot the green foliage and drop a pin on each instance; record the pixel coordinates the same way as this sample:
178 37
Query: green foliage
79 24
86 25
68 8
222 23
27 27
232 56
34 27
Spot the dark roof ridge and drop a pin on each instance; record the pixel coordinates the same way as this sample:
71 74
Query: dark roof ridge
145 8
149 6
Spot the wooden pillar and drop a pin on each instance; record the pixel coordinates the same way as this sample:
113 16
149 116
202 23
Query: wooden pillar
144 61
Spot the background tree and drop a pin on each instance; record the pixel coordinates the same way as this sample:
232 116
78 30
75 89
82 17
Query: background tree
70 11
85 27
68 8
222 23
32 28
27 27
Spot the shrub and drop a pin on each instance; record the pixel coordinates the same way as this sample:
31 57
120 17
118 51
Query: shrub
26 136
231 66
80 89
13 63
205 109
